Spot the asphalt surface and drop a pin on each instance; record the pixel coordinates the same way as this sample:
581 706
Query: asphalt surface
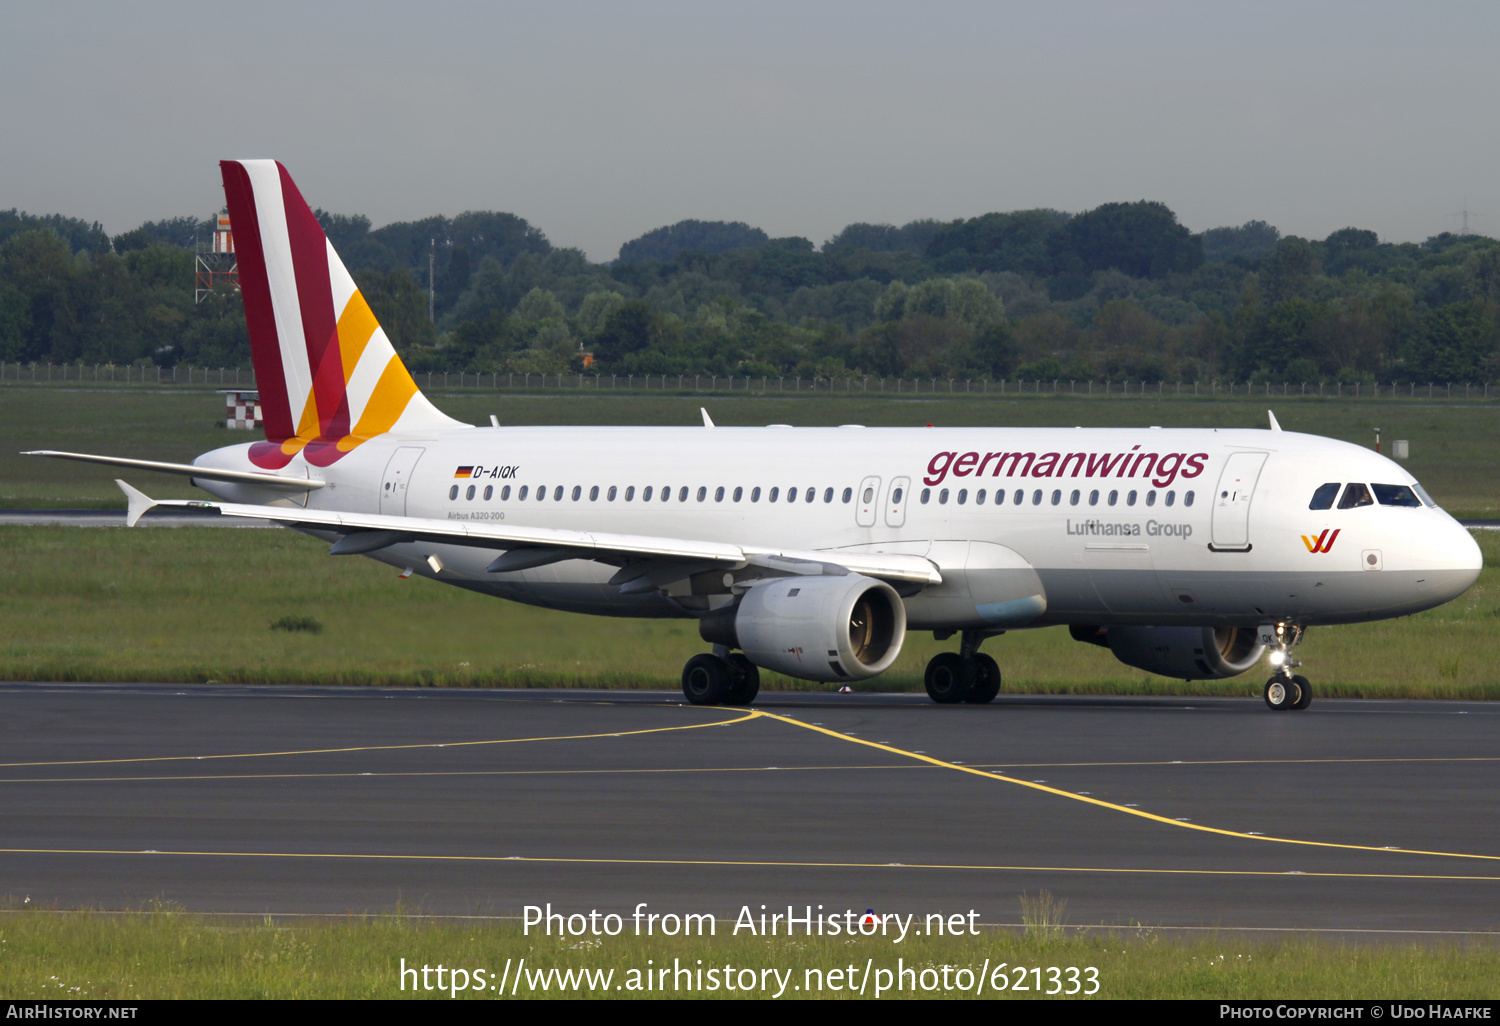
469 802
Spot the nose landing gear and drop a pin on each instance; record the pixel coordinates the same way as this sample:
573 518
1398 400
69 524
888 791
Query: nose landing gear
1286 690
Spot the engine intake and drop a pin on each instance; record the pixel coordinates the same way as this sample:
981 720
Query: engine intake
1189 653
829 628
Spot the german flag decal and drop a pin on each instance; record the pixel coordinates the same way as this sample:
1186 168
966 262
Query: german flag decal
464 472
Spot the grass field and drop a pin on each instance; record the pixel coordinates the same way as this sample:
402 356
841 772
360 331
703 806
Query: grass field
1455 447
198 604
87 956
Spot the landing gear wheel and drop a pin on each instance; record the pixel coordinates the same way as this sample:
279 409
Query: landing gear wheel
949 678
745 680
1304 687
986 680
1282 693
706 680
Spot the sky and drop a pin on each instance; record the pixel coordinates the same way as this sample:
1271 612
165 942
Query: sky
600 121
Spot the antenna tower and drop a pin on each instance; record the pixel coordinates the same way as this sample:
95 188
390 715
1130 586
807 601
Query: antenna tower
216 264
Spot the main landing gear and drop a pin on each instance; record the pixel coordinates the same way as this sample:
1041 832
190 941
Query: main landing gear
1287 690
967 675
720 678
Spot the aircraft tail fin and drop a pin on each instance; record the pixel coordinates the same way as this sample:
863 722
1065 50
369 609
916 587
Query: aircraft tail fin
328 376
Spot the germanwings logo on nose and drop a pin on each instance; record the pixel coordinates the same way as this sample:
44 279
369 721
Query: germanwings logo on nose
1322 543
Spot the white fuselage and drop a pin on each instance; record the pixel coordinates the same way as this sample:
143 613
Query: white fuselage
1097 526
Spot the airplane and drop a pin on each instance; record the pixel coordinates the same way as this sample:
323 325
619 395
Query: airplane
1188 553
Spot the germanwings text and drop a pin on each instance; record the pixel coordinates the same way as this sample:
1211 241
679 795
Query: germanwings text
1166 468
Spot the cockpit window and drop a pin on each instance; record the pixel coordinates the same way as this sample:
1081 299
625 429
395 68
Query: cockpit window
1324 496
1395 495
1356 494
1422 493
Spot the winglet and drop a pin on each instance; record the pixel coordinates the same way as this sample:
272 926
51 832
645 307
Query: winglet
137 502
706 421
1275 426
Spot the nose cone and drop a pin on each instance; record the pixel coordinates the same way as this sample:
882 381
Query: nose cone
1457 563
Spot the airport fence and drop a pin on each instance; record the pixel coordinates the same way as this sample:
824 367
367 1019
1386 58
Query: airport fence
763 385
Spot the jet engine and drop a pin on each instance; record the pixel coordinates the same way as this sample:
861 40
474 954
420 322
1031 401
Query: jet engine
828 628
1188 653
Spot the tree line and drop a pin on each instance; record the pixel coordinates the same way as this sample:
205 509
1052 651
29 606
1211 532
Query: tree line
1122 292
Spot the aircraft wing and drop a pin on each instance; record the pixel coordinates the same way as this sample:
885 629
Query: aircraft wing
290 484
645 555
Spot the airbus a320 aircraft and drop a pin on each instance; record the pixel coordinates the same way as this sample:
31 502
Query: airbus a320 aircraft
813 551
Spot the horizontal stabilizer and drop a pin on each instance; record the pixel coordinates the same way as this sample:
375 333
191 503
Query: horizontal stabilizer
289 484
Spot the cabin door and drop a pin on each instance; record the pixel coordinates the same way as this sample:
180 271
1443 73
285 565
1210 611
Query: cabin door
1231 528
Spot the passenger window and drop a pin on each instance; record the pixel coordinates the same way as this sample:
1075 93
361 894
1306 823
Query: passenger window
755 495
453 493
739 493
1395 495
773 495
979 497
943 497
1036 497
522 496
999 496
469 493
1324 496
1151 498
594 494
963 496
896 495
810 493
682 493
489 490
791 495
577 492
702 493
610 495
926 494
646 495
1056 496
1114 496
557 493
1073 499
630 493
1094 497
1018 498
505 494
1171 498
1187 498
828 495
719 494
1356 494
1130 498
541 492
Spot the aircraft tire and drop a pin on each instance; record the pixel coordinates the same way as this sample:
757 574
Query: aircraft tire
986 681
949 678
1304 697
706 680
745 680
1281 693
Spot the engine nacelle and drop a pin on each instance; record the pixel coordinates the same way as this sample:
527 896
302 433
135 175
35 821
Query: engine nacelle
816 628
1187 653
